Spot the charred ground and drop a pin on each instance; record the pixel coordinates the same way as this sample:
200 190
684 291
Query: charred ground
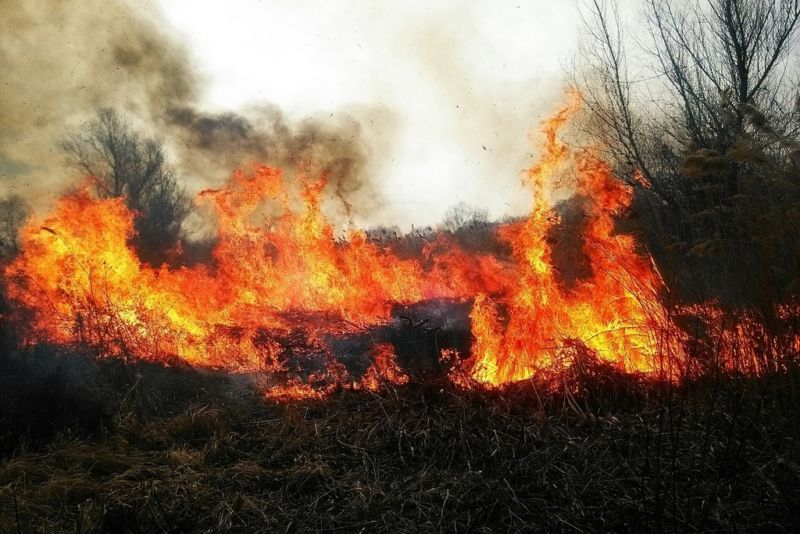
106 446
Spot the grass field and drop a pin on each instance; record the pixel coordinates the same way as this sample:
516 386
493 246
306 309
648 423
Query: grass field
103 446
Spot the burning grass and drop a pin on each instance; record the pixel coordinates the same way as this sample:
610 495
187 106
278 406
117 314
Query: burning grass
278 271
283 297
300 382
588 449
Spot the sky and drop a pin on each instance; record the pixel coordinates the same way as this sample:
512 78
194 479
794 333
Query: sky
451 91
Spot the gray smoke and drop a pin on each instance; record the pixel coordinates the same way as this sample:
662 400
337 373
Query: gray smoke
61 61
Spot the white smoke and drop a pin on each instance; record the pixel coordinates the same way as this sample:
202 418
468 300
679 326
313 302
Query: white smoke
448 91
443 93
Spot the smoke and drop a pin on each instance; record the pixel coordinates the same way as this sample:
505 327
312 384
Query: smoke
492 114
215 143
409 109
64 60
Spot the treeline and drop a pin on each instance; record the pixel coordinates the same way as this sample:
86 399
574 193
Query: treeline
697 105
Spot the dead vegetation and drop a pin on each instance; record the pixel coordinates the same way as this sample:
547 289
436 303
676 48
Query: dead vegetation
176 450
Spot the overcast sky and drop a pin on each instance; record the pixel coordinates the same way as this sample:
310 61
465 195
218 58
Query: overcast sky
459 85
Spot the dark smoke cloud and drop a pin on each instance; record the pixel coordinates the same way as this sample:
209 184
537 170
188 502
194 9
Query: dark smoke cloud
61 61
224 141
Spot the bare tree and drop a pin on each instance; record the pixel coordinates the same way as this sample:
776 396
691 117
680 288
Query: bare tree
724 64
13 213
124 164
709 120
605 86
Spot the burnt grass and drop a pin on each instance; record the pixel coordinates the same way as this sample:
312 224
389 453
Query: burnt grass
98 445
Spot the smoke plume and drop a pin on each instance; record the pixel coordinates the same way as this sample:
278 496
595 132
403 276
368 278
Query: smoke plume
64 60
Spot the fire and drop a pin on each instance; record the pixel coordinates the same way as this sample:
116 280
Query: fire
281 284
615 312
86 284
383 370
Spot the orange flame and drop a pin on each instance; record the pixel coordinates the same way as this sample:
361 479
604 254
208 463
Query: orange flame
279 278
614 312
384 370
85 283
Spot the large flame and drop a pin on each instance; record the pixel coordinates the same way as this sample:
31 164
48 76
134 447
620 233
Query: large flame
616 311
278 270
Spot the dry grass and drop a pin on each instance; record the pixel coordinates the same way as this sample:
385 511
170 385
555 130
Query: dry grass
212 456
